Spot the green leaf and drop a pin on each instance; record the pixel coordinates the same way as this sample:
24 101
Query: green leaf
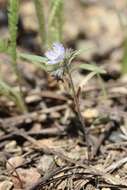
38 61
32 58
91 67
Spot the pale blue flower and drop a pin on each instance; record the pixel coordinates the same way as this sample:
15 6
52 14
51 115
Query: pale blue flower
56 54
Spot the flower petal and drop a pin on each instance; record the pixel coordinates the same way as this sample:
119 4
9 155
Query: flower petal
51 62
59 48
51 55
57 54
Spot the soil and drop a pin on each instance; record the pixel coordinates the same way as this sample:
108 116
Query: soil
45 148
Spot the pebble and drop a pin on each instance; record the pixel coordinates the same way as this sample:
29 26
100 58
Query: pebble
6 185
14 162
45 162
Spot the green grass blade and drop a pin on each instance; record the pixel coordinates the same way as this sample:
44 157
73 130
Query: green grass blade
38 61
32 58
13 17
55 23
39 7
124 61
91 67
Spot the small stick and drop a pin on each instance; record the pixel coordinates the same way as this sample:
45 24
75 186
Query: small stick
116 165
101 139
17 175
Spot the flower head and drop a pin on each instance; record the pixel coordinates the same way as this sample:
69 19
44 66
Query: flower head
57 54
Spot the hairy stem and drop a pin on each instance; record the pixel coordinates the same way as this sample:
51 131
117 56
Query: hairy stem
39 7
60 20
77 106
55 23
13 21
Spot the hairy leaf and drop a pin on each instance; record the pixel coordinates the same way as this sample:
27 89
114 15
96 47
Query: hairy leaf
91 67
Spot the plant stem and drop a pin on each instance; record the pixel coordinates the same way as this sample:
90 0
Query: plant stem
77 106
13 17
55 22
124 30
39 7
124 60
60 20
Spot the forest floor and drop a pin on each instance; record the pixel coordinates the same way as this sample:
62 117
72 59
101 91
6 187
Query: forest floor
45 148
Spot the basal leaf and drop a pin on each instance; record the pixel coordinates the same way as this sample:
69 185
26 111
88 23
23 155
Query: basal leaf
38 61
32 58
91 67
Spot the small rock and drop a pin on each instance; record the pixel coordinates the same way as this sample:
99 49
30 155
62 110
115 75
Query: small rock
14 162
6 185
42 117
45 162
27 177
12 147
90 113
32 98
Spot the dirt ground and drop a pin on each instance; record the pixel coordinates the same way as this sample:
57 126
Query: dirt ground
45 148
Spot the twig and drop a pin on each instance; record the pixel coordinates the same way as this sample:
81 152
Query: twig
116 165
33 116
101 139
18 177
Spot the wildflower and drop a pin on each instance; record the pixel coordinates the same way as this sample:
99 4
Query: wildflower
57 54
57 58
